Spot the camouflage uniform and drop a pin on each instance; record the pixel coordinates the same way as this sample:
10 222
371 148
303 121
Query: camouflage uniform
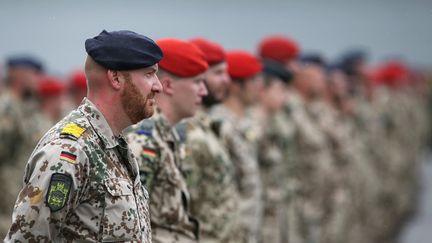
81 184
354 179
11 128
314 168
211 182
401 164
239 137
159 152
21 126
285 134
271 161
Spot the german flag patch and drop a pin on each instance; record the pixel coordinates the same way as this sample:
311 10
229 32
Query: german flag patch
68 157
149 153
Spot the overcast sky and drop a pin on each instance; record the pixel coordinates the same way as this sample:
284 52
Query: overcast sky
55 30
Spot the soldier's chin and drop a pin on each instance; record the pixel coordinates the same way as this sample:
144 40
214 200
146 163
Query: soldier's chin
149 111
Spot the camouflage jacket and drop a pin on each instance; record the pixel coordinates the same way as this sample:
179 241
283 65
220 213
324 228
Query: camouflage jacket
81 184
271 145
158 148
210 177
21 127
241 144
11 128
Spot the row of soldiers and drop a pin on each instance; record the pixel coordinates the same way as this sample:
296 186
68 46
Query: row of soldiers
30 103
274 148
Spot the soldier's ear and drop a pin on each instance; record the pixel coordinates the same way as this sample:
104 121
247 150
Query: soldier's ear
167 84
114 79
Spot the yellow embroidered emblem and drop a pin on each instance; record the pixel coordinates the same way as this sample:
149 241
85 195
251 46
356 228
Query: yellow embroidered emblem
73 129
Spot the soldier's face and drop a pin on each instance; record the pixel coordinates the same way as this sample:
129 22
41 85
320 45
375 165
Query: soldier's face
251 89
188 94
27 79
139 91
273 95
217 80
339 86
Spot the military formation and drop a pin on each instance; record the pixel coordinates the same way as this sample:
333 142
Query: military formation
179 140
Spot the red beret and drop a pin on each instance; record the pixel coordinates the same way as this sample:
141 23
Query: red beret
392 73
214 53
181 58
242 65
50 86
278 48
78 80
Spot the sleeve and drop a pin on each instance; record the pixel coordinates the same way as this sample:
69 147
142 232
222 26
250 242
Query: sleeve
245 160
147 155
54 177
196 168
10 134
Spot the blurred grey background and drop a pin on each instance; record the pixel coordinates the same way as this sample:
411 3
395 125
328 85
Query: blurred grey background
55 31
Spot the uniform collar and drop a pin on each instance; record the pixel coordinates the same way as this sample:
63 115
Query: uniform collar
202 118
164 128
99 123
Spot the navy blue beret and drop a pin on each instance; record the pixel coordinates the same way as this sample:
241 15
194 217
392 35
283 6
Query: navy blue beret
275 69
123 50
24 61
350 58
314 58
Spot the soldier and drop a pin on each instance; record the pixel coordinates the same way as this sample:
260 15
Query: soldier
314 165
239 136
18 104
271 153
157 146
81 182
20 128
281 49
285 51
208 166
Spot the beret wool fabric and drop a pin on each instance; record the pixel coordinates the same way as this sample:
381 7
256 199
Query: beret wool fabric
123 50
50 86
278 48
78 80
214 53
25 61
181 58
242 64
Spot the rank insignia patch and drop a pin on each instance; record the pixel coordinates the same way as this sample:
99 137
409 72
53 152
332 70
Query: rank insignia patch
58 191
68 157
72 130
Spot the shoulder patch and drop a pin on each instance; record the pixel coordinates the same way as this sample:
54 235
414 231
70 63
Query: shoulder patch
72 131
150 153
58 191
145 127
147 133
68 157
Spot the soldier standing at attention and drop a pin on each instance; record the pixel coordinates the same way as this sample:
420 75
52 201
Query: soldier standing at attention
239 136
209 169
272 145
19 130
157 145
81 182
